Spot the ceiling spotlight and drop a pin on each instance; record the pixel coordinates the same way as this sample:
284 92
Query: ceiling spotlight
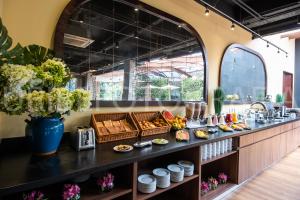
117 45
286 55
179 26
278 51
206 12
268 45
81 21
135 35
232 26
136 9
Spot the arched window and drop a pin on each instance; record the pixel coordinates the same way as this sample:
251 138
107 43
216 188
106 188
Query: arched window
243 75
131 54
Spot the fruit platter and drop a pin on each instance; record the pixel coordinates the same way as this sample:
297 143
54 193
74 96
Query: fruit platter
182 135
201 134
244 126
177 122
225 128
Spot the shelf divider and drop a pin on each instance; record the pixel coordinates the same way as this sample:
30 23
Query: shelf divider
217 157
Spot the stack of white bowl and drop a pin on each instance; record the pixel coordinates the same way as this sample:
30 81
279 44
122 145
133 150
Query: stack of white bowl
146 183
188 167
177 172
162 177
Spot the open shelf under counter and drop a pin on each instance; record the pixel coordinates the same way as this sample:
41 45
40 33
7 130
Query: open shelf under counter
115 193
220 189
142 196
203 162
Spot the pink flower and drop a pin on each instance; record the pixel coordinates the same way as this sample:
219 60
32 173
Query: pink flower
222 178
213 183
34 195
204 187
106 182
71 192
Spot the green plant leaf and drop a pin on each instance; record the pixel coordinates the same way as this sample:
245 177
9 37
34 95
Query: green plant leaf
36 55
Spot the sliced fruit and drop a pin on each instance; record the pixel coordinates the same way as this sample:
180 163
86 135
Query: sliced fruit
236 127
201 134
168 115
182 135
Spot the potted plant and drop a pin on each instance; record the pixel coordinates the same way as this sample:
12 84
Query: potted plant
40 91
279 99
219 98
34 195
71 192
106 183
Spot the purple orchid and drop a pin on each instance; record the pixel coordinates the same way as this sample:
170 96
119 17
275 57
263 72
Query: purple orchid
222 177
106 183
71 192
34 195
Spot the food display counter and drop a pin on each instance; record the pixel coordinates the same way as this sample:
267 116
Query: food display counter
252 151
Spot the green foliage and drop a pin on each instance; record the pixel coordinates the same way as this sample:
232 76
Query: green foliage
219 97
158 93
36 55
31 54
15 55
279 98
192 89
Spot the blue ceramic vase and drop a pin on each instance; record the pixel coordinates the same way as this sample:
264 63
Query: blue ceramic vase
45 134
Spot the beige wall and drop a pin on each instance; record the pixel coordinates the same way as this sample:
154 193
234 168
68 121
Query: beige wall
33 21
1 7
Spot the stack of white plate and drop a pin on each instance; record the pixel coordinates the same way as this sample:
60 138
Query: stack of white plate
177 172
188 167
162 177
146 183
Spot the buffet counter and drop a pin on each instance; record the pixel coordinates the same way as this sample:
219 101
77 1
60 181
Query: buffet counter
20 171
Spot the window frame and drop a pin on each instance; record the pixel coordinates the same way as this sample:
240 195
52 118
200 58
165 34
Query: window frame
59 49
244 48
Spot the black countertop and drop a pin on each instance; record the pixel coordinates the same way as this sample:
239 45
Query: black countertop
21 171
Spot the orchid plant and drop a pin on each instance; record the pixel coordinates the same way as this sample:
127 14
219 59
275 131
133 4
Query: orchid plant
34 195
222 177
213 183
204 187
106 183
71 192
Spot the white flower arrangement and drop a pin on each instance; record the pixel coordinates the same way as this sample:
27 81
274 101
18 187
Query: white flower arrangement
40 90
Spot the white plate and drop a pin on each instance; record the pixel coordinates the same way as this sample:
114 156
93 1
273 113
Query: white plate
160 141
161 172
175 168
186 164
146 179
130 148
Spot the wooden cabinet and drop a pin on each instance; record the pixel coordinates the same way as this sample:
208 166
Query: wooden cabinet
247 163
260 150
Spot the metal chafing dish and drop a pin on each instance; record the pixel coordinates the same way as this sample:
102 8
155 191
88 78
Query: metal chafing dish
264 111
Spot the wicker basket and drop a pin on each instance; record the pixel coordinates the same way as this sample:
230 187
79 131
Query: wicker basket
100 117
150 116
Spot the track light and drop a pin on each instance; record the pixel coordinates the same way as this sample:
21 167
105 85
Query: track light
206 11
117 45
286 55
136 9
179 26
268 45
278 51
232 26
135 35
